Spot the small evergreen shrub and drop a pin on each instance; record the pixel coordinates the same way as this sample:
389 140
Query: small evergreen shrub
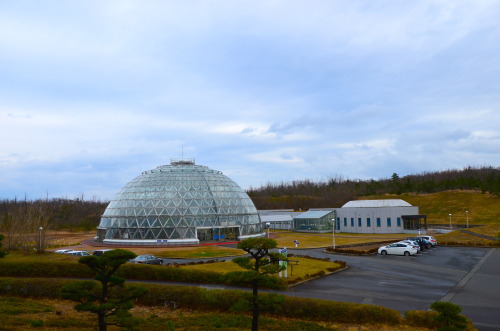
449 316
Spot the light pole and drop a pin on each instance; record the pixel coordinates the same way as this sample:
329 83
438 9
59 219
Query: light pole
450 222
333 233
268 225
40 239
467 217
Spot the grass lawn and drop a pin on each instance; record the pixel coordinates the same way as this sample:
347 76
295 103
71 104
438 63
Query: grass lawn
57 239
312 240
180 252
187 253
295 270
34 257
490 230
460 238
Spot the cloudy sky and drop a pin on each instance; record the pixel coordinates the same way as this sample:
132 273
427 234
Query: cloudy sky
92 93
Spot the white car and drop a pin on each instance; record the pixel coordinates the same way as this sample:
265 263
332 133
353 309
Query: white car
398 249
411 242
431 239
79 253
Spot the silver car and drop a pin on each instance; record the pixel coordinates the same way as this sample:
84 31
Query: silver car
431 239
146 259
63 251
79 253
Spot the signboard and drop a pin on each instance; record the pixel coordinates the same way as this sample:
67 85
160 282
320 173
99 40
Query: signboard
283 263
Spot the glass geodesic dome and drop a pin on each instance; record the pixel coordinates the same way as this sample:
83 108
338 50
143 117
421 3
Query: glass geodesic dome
180 203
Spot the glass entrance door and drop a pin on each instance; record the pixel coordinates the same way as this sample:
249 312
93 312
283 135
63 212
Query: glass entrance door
212 235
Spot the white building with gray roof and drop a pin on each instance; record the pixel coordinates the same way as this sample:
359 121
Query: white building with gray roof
364 216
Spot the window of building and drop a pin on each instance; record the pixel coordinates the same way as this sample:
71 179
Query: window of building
345 221
338 223
359 222
352 221
378 222
368 222
389 222
399 221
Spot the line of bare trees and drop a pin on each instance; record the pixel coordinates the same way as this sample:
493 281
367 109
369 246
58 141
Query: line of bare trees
21 220
335 191
25 223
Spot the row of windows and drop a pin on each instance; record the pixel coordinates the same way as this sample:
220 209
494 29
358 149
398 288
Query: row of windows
368 222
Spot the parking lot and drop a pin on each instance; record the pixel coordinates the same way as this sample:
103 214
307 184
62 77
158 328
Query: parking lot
469 277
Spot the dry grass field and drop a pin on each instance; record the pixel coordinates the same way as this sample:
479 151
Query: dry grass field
314 240
483 208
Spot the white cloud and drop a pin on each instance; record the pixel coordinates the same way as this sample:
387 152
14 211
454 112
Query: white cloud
92 93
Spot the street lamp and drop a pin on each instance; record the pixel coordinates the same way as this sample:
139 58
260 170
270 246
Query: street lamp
268 225
333 233
467 217
450 222
40 239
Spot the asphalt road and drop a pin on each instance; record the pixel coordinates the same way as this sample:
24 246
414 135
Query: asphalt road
469 277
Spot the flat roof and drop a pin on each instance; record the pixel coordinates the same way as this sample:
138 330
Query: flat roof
314 214
376 203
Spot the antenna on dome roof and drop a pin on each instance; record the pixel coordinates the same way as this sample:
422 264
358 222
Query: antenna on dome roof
182 160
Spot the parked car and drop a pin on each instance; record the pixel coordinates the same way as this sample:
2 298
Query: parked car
421 242
79 253
101 251
398 249
63 251
431 239
413 243
146 259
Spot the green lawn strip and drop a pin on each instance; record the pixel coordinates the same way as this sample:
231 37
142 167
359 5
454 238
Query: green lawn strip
490 230
301 269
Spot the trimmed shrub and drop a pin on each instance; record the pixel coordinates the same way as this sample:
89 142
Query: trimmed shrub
342 312
44 269
29 287
127 271
244 278
424 319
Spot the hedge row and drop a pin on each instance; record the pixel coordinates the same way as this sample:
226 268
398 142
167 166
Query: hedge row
197 298
62 269
352 251
426 319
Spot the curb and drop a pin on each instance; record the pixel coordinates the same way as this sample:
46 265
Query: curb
317 277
